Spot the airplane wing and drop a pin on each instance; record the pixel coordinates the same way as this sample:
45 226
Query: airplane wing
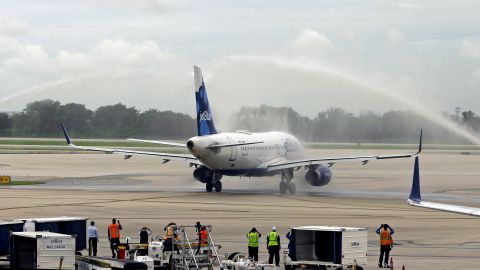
288 164
159 142
129 153
415 198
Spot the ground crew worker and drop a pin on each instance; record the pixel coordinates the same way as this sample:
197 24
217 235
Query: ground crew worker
114 235
170 234
386 242
92 239
292 250
144 233
253 237
273 246
169 230
203 235
202 238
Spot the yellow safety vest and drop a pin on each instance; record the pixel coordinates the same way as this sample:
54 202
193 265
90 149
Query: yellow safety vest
252 239
272 239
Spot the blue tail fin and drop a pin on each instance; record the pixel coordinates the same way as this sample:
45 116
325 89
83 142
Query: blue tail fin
415 193
205 125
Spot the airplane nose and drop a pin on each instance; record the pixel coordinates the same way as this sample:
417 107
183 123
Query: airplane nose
190 144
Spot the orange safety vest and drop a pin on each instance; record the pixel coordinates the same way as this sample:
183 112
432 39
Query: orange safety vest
114 231
385 238
203 236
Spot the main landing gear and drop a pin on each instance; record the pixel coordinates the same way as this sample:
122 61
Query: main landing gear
214 183
286 184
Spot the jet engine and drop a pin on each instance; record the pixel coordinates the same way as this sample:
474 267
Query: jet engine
318 175
204 174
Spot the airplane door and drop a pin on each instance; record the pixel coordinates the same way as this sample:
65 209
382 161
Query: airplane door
233 150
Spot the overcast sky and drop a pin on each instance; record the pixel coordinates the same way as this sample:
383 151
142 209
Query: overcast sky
310 55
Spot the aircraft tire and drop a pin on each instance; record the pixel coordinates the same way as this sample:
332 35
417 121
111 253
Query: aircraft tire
209 186
283 188
292 188
218 186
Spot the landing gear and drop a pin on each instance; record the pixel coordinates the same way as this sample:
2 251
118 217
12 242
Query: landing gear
209 186
286 184
218 186
214 182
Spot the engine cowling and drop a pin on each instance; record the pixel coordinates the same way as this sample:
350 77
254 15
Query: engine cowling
318 176
204 174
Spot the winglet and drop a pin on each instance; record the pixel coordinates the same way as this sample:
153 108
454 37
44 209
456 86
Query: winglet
420 143
69 142
415 192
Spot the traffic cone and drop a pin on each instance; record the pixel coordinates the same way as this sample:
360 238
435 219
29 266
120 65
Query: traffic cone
391 263
403 267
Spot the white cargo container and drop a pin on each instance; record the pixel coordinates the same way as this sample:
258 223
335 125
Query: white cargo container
328 247
42 250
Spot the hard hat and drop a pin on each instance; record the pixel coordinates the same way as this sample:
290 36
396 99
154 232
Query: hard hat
274 228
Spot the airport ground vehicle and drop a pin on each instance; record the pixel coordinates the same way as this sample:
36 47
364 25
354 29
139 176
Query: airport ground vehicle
42 250
63 225
183 252
328 247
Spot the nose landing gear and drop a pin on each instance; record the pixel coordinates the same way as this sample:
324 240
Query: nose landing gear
214 183
286 184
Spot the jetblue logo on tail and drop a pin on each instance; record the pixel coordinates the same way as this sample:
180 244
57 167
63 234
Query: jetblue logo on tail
205 116
205 125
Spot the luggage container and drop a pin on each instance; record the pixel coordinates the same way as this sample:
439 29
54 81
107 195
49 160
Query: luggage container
76 226
328 247
7 227
42 250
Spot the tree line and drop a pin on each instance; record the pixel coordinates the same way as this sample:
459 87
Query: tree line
42 118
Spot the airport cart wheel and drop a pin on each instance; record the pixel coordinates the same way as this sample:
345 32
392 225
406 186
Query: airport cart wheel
292 188
283 188
209 186
218 186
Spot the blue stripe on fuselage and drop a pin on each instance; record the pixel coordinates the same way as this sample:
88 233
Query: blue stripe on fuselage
247 172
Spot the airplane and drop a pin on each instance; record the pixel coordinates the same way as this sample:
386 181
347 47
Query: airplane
415 198
242 153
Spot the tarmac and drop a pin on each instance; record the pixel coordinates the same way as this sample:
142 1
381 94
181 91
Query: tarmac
142 191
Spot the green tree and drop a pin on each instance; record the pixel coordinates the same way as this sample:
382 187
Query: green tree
5 123
42 117
77 118
115 121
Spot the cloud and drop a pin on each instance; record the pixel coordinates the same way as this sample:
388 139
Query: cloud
470 50
135 73
312 40
155 5
394 37
13 27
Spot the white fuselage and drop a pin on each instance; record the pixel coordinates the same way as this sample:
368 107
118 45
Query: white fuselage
251 159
